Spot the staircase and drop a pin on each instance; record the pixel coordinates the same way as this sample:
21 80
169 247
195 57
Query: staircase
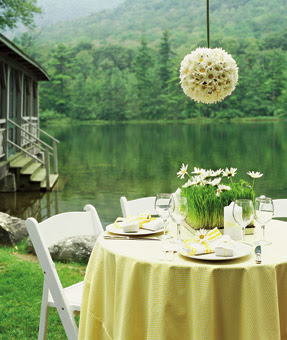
30 167
30 175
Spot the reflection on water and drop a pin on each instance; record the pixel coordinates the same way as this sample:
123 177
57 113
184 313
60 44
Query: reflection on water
26 204
99 164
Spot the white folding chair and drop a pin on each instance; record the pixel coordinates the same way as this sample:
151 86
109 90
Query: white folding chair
280 208
44 234
139 206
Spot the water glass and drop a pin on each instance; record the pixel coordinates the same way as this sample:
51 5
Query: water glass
243 213
264 210
178 212
162 206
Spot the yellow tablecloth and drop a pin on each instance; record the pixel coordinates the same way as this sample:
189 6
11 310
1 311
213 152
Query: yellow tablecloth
129 294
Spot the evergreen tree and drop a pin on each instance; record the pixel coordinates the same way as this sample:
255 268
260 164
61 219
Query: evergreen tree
165 60
56 93
144 85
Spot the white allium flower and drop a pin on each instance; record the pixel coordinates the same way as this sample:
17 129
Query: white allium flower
208 75
253 174
183 171
229 172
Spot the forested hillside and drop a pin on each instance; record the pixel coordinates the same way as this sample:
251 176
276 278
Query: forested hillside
186 20
124 63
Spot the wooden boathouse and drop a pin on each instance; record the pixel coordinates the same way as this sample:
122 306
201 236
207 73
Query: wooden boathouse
27 162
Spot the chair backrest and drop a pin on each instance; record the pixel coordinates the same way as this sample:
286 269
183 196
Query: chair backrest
280 208
138 206
47 233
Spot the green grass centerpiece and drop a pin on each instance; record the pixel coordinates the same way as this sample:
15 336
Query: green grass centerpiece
208 192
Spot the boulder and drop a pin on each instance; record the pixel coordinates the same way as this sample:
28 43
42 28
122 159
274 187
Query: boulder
12 230
76 249
73 249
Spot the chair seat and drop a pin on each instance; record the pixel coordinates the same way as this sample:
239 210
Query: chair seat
73 294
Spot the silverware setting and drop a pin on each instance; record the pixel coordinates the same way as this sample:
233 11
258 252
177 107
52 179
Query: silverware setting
258 253
167 254
135 238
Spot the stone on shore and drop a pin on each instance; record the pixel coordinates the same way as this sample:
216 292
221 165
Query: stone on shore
78 249
12 230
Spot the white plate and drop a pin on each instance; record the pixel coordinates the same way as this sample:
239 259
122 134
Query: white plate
241 249
112 229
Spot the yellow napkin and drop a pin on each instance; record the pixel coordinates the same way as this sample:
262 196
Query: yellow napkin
149 222
208 242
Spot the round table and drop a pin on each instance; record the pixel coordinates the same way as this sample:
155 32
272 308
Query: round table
129 294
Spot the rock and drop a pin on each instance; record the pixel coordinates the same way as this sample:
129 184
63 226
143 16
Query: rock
76 249
73 249
12 230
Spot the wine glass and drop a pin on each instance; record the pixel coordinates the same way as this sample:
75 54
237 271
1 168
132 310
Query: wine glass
264 210
243 213
178 212
162 206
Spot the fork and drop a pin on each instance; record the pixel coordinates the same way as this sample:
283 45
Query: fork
163 254
167 254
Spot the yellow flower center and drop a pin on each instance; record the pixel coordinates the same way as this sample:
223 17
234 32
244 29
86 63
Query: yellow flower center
201 237
201 60
202 70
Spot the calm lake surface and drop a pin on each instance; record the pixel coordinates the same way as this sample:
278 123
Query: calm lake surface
99 164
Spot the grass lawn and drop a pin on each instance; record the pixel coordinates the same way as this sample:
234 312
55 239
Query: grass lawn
21 282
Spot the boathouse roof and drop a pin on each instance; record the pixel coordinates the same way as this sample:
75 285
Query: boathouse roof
14 53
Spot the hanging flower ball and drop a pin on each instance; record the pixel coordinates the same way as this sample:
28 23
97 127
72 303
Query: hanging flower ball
208 75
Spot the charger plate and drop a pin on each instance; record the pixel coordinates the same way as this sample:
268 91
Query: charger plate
241 249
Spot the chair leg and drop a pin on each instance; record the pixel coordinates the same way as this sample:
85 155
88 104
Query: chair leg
44 314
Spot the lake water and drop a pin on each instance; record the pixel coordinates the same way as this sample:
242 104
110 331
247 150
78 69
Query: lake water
99 164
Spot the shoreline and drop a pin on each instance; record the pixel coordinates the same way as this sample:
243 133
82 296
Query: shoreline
198 120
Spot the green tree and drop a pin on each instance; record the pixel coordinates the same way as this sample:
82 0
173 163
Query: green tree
144 85
17 11
165 60
55 94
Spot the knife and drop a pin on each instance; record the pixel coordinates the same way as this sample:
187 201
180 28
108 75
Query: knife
119 237
258 252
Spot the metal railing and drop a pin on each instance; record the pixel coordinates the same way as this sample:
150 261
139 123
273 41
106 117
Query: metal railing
54 141
37 142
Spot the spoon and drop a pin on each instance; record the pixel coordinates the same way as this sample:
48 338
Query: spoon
258 254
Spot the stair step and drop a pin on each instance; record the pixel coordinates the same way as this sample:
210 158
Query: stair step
30 169
38 175
53 180
20 162
16 155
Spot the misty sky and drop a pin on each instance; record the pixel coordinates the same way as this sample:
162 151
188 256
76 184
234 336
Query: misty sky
62 10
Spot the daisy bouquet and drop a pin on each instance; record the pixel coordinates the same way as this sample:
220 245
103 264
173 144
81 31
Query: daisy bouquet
209 191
